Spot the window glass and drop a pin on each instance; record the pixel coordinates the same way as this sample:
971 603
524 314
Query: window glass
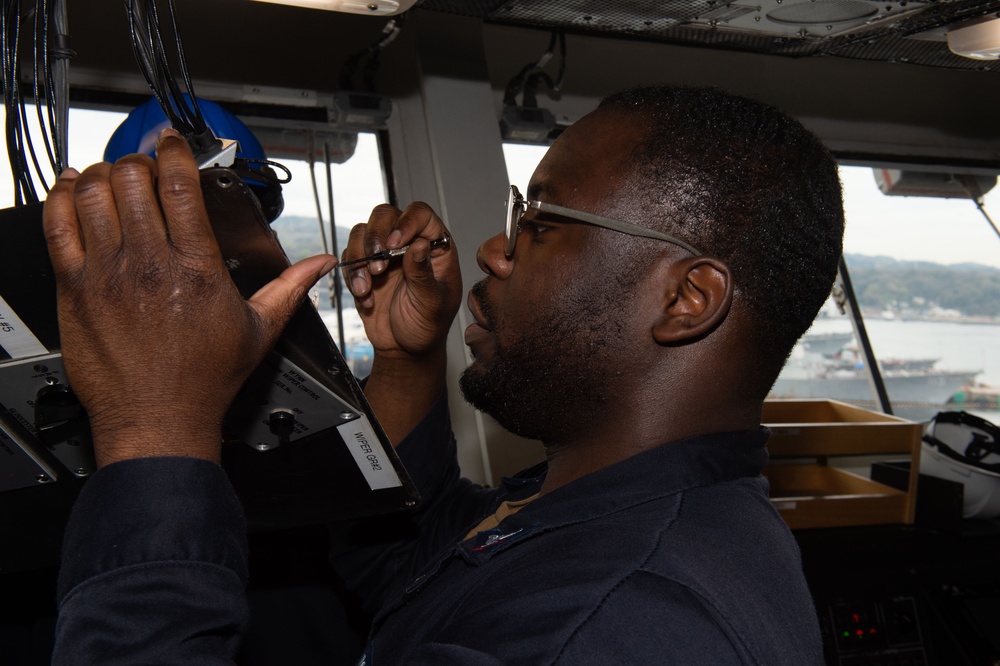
926 273
927 276
358 186
521 162
88 133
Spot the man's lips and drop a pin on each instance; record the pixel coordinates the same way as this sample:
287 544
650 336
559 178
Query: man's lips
479 330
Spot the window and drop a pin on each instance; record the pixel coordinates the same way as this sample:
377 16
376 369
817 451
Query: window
358 186
88 133
926 273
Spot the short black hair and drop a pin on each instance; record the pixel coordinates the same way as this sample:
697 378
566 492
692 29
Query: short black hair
748 184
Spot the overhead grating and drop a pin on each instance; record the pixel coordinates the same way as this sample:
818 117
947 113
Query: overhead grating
904 31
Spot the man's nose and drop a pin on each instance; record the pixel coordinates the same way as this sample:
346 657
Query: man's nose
491 257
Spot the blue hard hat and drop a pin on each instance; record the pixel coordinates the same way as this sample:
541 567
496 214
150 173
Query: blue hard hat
139 131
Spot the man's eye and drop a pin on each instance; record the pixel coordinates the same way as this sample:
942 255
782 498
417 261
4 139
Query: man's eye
534 227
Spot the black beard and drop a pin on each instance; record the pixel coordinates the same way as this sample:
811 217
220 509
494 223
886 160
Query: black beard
553 381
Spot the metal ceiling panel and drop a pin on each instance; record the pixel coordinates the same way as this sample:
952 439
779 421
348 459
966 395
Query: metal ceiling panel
903 31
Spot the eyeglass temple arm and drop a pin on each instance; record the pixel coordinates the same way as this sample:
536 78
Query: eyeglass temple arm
608 223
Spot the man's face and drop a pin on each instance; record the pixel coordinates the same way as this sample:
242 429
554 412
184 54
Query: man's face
553 322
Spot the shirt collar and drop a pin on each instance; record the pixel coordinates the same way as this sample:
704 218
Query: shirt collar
652 474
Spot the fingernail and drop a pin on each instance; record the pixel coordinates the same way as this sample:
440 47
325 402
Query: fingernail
328 266
167 132
358 285
69 173
394 240
420 254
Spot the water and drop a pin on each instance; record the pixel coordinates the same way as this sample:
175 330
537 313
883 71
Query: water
957 346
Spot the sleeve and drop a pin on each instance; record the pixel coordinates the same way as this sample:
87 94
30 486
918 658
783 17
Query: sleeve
374 556
153 567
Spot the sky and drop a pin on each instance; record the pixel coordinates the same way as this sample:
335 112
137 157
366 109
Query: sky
909 228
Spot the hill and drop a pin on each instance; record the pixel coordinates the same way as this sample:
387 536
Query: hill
883 283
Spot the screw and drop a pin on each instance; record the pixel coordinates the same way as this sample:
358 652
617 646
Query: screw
373 6
347 415
43 478
51 381
81 471
262 446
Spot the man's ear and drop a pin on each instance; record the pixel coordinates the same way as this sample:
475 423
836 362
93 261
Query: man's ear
696 299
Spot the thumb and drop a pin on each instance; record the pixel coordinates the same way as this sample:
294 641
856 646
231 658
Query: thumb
276 302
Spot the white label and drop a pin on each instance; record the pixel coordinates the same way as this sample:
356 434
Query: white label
15 336
369 454
784 506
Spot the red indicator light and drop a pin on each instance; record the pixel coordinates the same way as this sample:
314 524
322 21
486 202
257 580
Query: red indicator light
872 630
856 617
861 632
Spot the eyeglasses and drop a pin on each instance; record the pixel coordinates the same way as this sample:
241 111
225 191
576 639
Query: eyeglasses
517 206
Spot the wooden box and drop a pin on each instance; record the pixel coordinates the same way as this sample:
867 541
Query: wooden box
810 492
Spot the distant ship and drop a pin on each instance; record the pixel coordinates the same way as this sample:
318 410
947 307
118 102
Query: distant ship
916 388
826 343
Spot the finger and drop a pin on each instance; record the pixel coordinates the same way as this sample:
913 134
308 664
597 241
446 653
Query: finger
356 277
179 186
418 220
355 244
61 227
97 211
276 301
429 281
133 180
418 270
378 235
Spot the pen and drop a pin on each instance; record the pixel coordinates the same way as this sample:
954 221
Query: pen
444 241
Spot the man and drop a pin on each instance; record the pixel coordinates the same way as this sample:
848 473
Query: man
673 246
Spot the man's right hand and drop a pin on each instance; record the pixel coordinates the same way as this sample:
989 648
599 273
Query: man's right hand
407 305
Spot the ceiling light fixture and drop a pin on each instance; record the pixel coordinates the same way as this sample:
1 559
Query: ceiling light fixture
979 40
370 7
